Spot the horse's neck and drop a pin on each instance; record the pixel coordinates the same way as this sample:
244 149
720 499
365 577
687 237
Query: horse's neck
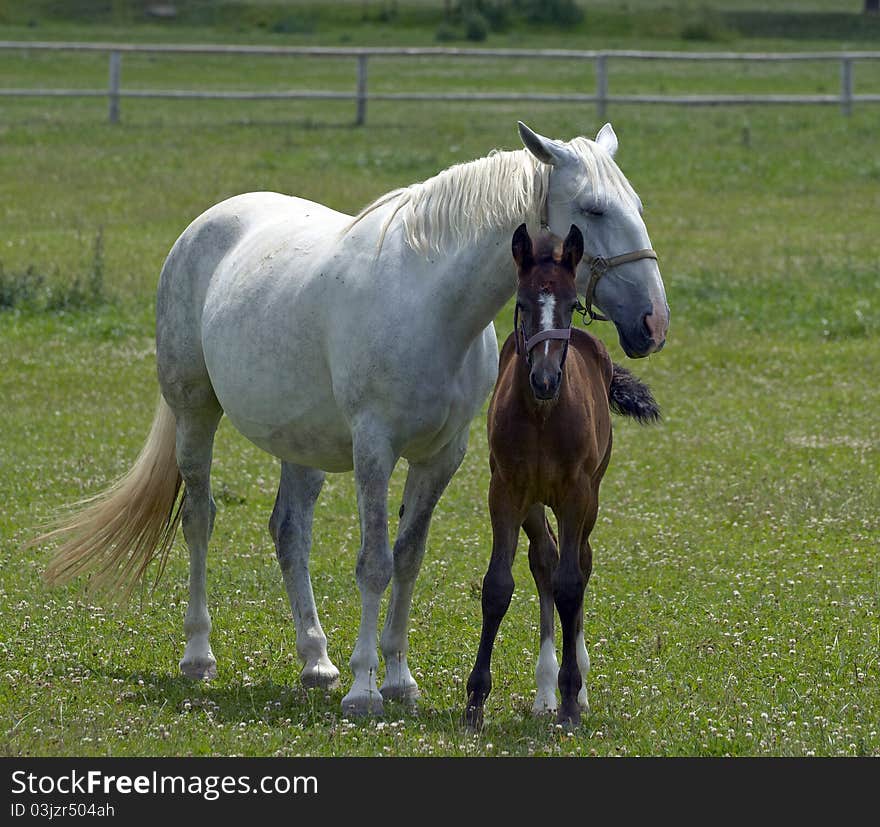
475 283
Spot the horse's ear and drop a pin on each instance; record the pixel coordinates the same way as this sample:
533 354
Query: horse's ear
573 247
544 149
522 247
607 139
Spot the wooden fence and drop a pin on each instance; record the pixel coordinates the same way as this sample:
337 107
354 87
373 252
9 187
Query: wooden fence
361 95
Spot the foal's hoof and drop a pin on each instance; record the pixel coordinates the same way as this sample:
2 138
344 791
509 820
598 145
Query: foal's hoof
359 704
320 675
202 668
569 717
473 717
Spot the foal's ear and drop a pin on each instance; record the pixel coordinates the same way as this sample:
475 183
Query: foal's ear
522 247
573 247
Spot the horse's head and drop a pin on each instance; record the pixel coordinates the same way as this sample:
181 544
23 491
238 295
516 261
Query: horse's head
546 297
587 189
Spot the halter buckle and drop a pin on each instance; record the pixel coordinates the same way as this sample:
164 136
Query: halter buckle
599 266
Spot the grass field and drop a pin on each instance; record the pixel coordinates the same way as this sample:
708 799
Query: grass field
735 602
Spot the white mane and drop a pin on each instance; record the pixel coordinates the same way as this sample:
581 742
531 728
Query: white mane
454 207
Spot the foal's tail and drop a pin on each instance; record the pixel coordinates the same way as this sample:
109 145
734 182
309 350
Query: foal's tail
630 396
116 534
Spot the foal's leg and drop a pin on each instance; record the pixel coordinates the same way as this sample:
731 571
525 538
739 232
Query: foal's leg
425 484
543 557
497 592
374 460
583 657
195 441
568 594
291 529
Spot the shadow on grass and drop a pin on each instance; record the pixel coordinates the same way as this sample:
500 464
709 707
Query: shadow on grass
276 704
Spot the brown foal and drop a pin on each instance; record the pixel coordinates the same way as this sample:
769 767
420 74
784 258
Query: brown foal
549 429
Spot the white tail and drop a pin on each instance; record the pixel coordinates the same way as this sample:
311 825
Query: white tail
116 534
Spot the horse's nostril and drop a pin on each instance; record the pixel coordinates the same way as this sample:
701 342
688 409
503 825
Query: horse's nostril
656 324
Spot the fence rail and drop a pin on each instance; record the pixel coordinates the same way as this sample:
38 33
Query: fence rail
361 94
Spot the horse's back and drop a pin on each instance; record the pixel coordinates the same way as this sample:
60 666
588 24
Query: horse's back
218 290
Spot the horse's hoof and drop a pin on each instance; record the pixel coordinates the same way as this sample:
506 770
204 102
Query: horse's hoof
361 704
321 675
583 702
202 668
540 708
407 693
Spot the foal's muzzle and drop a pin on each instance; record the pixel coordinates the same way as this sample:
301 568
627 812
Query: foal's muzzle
545 384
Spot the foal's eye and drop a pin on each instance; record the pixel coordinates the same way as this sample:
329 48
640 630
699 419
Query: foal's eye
594 211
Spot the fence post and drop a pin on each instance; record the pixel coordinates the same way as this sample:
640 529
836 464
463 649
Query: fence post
361 117
601 85
846 85
115 67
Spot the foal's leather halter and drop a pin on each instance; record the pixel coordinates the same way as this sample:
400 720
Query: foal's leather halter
542 335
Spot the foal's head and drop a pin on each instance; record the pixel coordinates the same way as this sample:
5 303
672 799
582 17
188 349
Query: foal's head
545 300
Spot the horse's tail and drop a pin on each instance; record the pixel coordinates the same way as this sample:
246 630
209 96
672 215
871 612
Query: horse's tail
629 396
116 534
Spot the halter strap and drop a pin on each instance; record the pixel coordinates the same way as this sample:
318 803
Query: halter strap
541 335
599 266
524 345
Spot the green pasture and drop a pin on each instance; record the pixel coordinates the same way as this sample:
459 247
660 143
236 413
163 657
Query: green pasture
735 602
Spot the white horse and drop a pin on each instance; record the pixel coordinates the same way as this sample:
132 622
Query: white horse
338 343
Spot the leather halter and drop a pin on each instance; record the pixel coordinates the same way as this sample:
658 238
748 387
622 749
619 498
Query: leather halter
525 348
599 266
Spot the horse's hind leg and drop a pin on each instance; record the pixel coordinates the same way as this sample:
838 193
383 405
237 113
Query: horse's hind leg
543 557
425 483
291 529
195 441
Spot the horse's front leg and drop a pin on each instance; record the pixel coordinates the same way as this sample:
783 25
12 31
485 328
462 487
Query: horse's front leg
543 558
496 594
425 483
374 460
291 529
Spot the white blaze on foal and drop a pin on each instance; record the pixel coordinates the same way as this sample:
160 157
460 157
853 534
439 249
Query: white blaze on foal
547 301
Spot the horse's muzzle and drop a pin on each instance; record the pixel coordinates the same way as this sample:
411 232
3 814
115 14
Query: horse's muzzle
646 337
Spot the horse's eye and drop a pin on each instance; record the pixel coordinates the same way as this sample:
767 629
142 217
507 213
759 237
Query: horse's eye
594 211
